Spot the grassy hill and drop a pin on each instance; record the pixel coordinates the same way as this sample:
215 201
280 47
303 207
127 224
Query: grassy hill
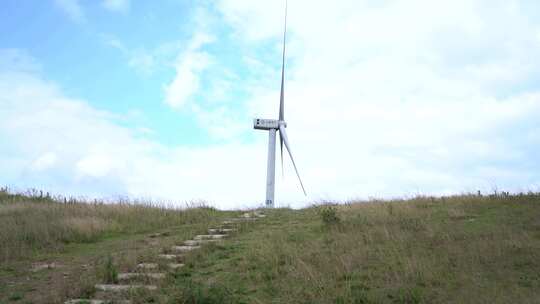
462 249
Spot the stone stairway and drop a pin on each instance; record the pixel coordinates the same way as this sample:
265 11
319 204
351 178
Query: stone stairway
146 275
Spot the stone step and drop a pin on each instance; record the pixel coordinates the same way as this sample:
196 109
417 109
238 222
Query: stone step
153 266
159 234
220 230
184 248
138 275
147 266
235 221
210 236
42 266
175 266
199 242
252 215
96 301
169 256
118 287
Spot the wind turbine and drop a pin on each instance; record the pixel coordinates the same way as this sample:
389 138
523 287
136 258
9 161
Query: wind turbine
273 126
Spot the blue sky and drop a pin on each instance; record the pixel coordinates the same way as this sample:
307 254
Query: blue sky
118 59
155 99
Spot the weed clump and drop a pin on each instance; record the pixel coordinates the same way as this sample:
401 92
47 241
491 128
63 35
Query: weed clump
110 273
329 215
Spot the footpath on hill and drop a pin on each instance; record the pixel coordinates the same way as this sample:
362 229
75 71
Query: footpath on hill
147 279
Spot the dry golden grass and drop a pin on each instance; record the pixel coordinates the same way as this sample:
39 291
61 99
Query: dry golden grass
30 224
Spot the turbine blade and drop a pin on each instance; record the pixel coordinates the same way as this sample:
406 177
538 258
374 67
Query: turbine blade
283 135
282 97
281 145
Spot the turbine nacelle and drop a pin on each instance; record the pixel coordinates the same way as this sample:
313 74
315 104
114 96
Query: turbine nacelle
268 124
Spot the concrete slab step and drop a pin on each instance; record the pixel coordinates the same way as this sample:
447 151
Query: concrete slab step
252 214
210 236
159 234
42 266
175 266
119 287
96 301
220 230
237 220
147 266
154 266
139 275
199 242
184 248
169 256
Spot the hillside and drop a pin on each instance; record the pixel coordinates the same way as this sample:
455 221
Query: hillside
462 249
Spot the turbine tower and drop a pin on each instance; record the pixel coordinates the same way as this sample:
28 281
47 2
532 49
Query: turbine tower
274 126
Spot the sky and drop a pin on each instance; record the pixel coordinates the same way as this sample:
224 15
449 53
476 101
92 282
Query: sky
155 99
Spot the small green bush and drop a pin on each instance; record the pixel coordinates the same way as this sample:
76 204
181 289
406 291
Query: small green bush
329 215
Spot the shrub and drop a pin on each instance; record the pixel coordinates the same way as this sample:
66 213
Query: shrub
329 215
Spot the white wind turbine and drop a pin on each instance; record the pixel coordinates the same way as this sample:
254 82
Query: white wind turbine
273 126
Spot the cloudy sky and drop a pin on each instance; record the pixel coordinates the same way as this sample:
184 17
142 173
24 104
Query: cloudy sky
155 99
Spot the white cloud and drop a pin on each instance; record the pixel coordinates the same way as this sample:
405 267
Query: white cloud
98 166
220 122
117 5
141 60
189 64
72 8
45 161
114 42
144 61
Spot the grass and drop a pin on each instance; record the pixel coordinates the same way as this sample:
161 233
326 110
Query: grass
461 249
32 224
